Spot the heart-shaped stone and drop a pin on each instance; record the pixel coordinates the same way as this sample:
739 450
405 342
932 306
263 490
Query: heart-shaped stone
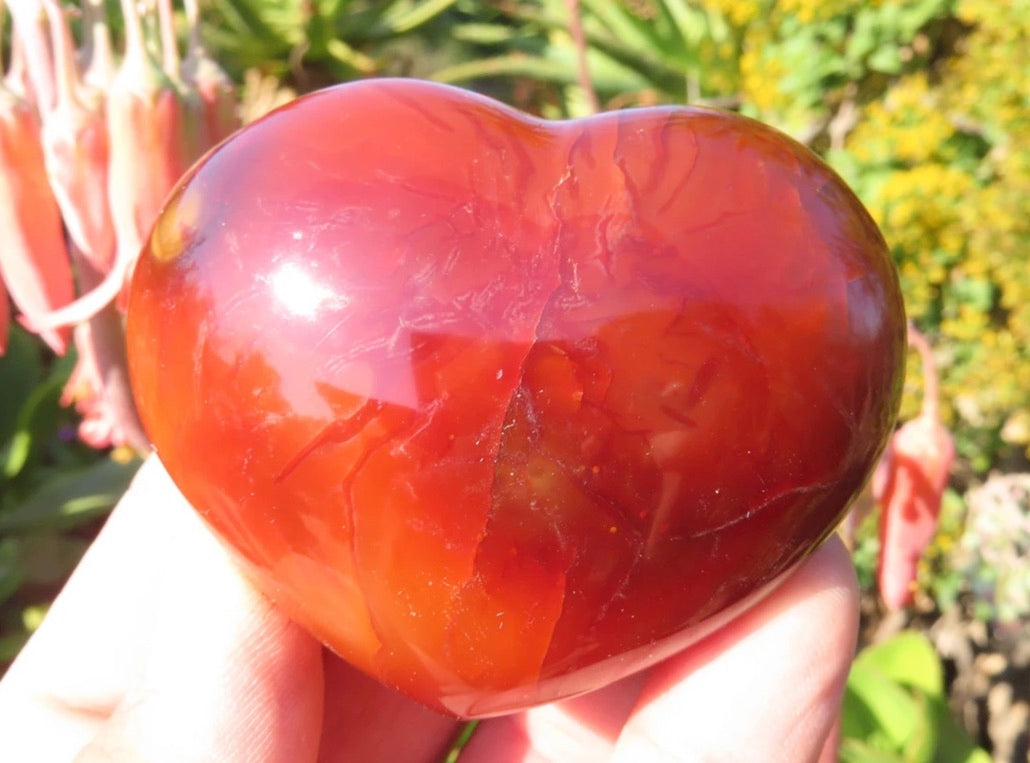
501 409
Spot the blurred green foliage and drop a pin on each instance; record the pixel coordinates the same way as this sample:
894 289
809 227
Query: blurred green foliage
321 41
896 708
53 489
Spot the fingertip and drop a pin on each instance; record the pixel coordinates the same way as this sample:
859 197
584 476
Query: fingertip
369 722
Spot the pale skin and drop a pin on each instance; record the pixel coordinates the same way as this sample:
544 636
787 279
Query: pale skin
159 650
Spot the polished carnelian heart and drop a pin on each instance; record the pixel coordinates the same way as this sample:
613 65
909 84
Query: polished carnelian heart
503 410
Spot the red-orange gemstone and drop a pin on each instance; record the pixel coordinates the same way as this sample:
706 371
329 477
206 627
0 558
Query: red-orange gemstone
503 410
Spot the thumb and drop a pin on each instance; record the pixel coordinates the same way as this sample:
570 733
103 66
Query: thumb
216 673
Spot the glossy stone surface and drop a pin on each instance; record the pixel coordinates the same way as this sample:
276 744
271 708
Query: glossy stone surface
503 410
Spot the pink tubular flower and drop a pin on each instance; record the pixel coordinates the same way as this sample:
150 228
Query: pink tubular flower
217 94
88 153
34 261
76 150
909 485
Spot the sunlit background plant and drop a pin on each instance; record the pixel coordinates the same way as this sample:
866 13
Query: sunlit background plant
922 105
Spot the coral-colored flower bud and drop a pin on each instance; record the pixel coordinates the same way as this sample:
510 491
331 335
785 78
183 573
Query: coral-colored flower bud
84 388
97 54
152 142
218 98
139 131
99 389
909 486
76 150
33 43
33 254
917 473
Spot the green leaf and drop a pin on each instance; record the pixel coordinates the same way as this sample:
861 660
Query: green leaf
976 292
10 568
954 744
484 34
691 23
17 453
508 65
635 33
895 708
878 710
36 422
72 498
887 59
350 57
404 17
11 644
908 659
20 371
647 65
857 751
558 67
49 559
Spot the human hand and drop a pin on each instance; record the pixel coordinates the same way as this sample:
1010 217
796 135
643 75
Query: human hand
158 650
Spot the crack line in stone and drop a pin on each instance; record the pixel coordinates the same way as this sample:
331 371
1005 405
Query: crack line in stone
763 506
336 431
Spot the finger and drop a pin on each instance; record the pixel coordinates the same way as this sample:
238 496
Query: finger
581 729
767 687
365 721
675 704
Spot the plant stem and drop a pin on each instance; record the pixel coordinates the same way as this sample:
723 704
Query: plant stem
579 40
460 741
931 396
107 335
